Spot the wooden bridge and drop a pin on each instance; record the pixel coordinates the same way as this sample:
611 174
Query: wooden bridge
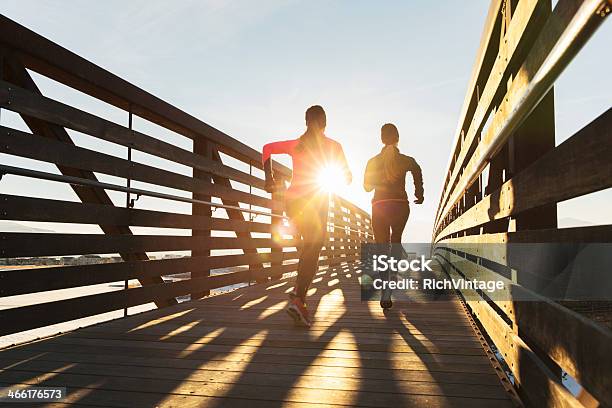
216 334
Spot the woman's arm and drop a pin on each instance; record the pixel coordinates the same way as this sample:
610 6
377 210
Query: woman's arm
368 178
417 176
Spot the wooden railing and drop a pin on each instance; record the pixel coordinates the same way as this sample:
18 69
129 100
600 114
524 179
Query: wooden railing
233 224
504 180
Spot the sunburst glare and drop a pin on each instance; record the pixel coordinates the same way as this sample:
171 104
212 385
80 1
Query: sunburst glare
331 178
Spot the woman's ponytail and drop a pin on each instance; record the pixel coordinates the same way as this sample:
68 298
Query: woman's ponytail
390 153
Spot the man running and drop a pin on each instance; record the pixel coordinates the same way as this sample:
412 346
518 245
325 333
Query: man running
306 204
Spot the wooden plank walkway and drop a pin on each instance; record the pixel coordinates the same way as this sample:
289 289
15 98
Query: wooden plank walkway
240 350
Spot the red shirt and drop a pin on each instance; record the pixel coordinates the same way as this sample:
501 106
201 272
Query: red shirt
308 162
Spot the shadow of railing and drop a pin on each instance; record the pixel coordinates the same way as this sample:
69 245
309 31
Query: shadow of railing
240 350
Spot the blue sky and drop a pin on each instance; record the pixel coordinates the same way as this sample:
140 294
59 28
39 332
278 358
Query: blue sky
250 68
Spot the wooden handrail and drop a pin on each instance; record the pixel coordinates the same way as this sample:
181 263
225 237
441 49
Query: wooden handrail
507 125
244 258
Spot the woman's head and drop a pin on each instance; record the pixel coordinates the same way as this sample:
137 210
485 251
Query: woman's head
389 134
315 118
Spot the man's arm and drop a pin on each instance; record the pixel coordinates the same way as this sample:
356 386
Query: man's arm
269 149
284 147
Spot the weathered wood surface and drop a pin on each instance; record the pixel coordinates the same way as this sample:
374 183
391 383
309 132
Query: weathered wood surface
521 97
578 166
240 349
573 342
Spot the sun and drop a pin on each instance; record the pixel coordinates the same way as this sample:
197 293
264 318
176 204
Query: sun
330 178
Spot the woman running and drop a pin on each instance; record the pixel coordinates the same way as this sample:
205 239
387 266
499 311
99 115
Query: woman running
386 174
306 203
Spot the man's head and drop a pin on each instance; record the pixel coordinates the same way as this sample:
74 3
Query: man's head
315 118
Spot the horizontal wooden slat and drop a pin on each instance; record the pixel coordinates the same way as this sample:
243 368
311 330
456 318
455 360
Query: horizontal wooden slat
51 60
343 224
578 166
39 315
487 50
533 378
209 382
347 238
347 204
524 93
578 345
495 247
62 154
36 209
37 244
586 234
528 16
592 233
24 102
23 281
271 379
340 254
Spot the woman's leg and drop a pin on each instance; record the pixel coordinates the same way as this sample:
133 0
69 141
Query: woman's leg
382 215
401 212
380 223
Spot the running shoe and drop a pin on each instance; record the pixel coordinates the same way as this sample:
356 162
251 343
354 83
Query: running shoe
386 304
385 299
298 312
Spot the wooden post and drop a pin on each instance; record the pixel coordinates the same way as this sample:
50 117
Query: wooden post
16 73
353 234
532 140
202 147
278 200
233 214
331 231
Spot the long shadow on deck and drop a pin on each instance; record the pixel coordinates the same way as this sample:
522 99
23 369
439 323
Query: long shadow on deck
240 349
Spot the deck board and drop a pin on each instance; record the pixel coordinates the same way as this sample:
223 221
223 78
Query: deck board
240 349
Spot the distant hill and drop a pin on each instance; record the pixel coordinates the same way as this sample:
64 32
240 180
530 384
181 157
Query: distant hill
12 226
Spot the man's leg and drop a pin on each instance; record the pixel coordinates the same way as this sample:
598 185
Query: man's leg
313 227
313 235
307 267
309 264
